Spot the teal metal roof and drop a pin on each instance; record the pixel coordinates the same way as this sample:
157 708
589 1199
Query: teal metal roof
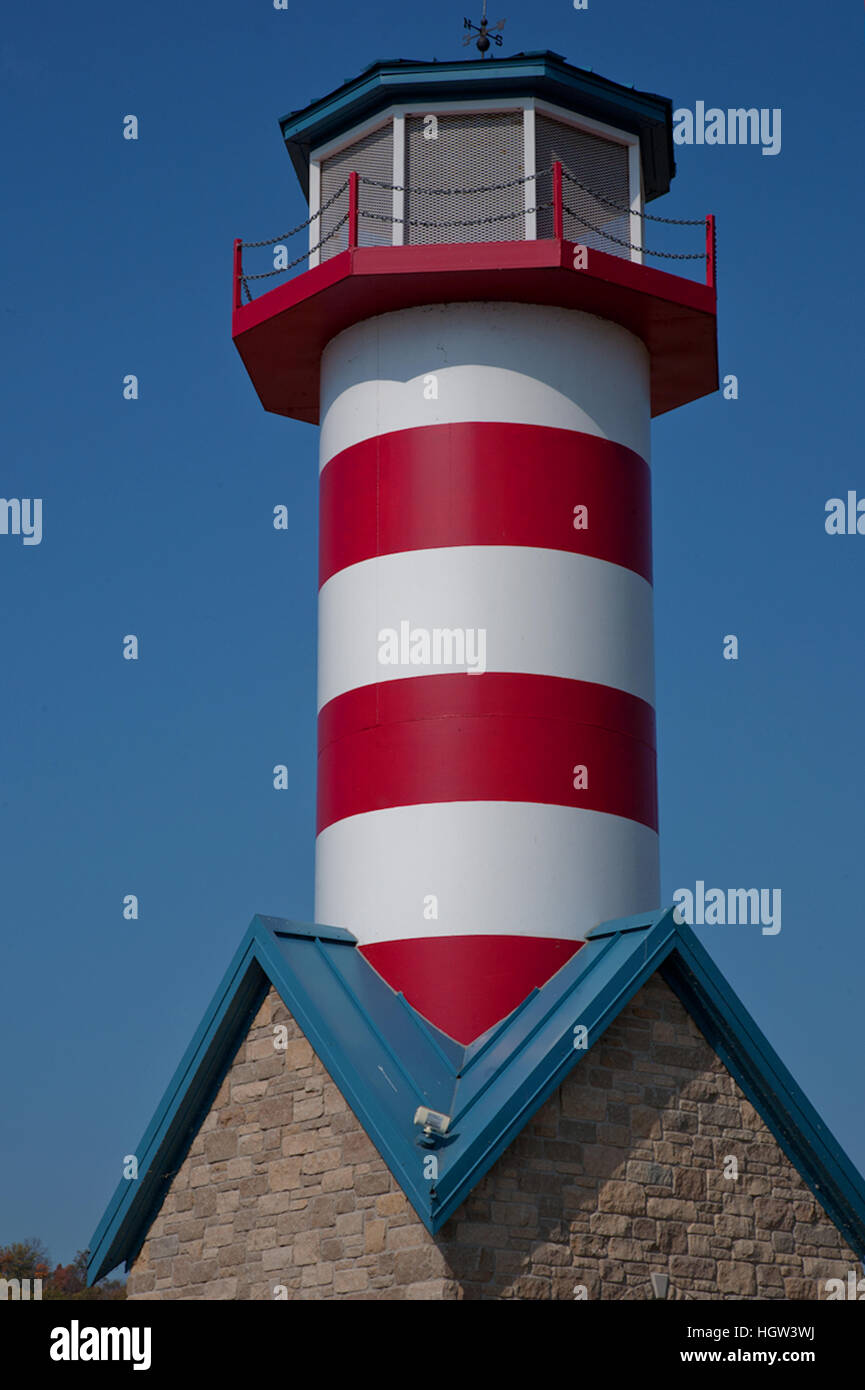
386 1060
540 74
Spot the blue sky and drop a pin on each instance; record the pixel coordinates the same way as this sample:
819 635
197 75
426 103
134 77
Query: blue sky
154 777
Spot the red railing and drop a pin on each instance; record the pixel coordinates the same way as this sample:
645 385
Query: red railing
238 274
558 202
711 251
558 231
352 211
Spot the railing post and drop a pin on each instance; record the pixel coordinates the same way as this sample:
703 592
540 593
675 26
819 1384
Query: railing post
352 211
238 271
558 209
710 251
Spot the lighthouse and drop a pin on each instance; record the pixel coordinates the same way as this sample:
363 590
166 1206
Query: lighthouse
481 333
482 313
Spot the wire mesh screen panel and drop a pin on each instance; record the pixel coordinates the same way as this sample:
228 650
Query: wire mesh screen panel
372 158
600 165
470 150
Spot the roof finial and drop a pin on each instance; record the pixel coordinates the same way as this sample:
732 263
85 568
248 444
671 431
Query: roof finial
485 33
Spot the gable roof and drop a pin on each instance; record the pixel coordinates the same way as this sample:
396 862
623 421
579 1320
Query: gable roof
387 1059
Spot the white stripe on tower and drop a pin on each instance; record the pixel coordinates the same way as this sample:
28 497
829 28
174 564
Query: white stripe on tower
514 363
485 588
583 867
472 826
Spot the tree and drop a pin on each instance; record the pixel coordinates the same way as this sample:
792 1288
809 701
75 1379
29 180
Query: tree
29 1259
26 1259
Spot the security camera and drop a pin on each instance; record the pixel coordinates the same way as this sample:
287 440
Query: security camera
435 1124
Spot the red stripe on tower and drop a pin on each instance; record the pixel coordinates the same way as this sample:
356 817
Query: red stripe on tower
506 968
485 483
522 752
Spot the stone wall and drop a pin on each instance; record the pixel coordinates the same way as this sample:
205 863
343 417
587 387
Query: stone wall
620 1174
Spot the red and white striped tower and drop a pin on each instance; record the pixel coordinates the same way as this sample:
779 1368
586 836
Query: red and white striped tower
487 782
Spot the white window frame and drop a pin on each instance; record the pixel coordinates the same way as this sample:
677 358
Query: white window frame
398 179
530 151
635 166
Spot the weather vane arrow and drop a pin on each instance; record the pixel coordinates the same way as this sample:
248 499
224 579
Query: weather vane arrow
486 33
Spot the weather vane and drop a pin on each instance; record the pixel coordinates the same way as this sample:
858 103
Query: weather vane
485 33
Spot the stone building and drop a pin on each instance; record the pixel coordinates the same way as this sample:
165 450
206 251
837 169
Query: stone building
284 1161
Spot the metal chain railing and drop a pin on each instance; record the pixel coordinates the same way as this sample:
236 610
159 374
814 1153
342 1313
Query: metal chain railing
629 245
462 222
266 275
286 236
469 222
447 192
647 216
